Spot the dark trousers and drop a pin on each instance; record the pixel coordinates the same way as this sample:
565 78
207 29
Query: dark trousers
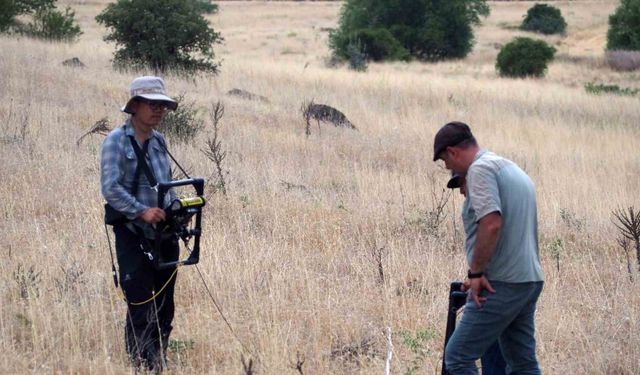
148 325
492 361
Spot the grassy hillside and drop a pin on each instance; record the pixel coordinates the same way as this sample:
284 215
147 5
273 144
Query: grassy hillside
293 251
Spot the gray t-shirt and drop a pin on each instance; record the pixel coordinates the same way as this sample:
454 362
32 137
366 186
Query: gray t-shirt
495 184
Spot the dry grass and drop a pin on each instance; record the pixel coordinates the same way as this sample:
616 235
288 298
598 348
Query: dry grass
291 264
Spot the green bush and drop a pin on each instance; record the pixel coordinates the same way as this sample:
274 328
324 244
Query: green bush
524 57
51 24
161 34
10 9
379 44
593 88
206 6
7 15
545 19
624 27
184 123
357 58
400 29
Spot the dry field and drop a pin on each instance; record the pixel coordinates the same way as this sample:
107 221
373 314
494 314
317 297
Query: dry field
291 252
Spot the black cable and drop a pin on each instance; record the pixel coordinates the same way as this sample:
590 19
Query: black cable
114 273
215 303
174 160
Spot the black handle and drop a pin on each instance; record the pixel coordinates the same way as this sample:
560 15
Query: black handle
457 299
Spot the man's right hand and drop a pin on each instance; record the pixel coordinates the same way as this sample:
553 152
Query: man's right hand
476 286
153 215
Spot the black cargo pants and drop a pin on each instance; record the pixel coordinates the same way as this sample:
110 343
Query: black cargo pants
147 325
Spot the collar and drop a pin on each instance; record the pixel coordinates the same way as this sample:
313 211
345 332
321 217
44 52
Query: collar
130 131
479 155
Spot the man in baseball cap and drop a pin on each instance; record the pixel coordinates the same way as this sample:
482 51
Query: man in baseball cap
452 134
492 361
505 277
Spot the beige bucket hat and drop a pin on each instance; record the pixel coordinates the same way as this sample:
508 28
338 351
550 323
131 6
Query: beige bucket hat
150 88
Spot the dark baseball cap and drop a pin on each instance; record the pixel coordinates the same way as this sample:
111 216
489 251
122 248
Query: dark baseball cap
454 181
450 135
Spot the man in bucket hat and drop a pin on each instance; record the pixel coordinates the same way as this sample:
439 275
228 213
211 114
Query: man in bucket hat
505 277
129 190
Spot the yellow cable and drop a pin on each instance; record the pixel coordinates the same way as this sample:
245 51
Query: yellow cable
155 294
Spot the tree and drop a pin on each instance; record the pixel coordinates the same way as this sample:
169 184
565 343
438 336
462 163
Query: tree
624 27
10 9
545 19
161 34
46 21
524 57
52 24
400 29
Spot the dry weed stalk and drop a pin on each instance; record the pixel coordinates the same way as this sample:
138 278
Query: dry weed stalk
387 364
215 153
299 363
628 222
377 254
28 280
21 133
435 217
323 113
306 115
100 127
625 243
291 186
247 366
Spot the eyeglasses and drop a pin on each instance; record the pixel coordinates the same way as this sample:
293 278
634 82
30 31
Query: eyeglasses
155 105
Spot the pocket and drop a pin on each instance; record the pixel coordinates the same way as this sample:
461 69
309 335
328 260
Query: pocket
130 256
113 216
131 162
129 262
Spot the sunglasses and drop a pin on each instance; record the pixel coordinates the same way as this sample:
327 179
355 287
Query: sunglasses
154 104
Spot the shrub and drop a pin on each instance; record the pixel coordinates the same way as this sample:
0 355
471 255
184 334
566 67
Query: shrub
623 60
183 124
399 29
10 9
7 15
545 19
52 24
624 27
357 58
524 57
161 34
377 45
46 21
206 6
593 88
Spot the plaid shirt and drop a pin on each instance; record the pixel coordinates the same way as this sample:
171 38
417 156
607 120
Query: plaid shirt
118 163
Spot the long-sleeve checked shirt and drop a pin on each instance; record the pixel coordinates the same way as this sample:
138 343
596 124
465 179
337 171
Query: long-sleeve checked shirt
118 163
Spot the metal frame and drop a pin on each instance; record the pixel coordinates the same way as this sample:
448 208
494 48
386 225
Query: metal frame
195 231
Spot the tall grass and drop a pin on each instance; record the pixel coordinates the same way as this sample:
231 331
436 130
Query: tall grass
291 264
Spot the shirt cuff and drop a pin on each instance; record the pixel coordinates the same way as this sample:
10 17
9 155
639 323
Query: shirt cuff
484 211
